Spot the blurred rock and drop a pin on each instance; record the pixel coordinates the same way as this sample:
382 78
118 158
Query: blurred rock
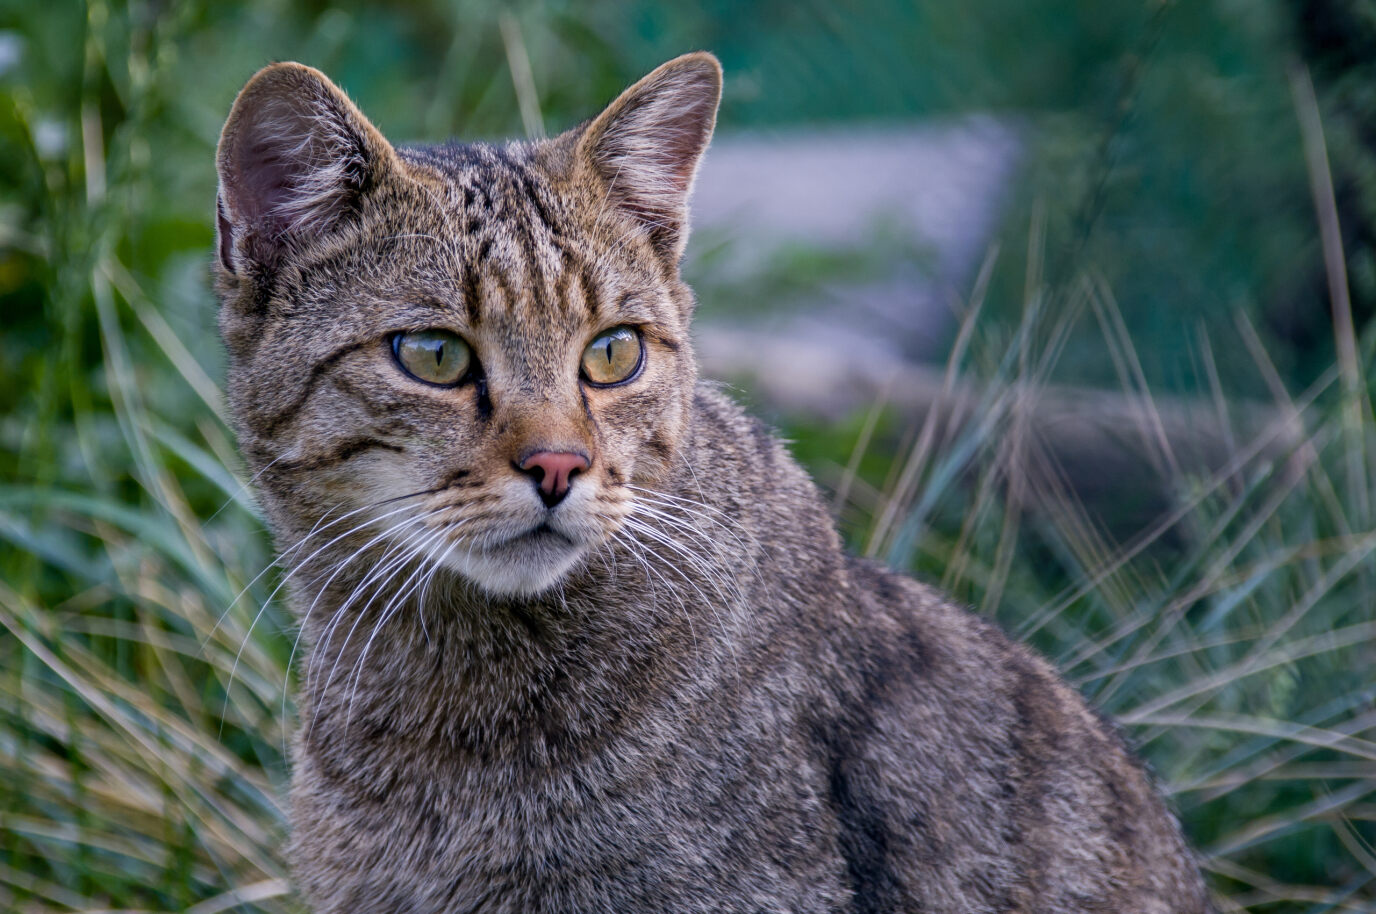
914 206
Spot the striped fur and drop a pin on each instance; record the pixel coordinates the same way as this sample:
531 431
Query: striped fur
672 691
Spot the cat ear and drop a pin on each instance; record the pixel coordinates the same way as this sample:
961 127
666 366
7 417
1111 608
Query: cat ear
295 157
647 144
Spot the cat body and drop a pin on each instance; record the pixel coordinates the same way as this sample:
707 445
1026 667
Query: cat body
579 634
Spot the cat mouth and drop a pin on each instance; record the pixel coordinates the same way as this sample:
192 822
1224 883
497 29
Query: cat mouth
520 565
541 533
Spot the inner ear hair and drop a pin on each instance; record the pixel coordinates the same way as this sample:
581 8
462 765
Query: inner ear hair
294 159
647 144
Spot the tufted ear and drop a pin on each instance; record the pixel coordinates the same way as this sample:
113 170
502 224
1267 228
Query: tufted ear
295 158
647 144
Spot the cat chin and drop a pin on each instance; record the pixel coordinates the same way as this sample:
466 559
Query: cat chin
524 568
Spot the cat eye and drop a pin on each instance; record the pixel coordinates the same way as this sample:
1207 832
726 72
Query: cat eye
433 356
614 357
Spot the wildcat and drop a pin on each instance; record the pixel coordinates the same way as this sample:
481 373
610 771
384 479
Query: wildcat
579 634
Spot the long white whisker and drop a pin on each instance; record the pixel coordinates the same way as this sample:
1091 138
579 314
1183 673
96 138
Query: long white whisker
233 670
700 563
694 562
243 487
305 619
638 555
435 568
388 572
394 605
341 565
299 543
380 569
698 509
392 558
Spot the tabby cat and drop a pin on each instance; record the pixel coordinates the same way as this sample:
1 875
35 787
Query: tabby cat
579 634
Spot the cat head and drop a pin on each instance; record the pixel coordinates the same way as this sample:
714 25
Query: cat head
470 353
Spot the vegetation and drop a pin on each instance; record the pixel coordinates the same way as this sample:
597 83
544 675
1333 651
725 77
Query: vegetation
1164 245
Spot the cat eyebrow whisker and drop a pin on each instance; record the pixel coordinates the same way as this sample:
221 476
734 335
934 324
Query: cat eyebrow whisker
619 243
450 244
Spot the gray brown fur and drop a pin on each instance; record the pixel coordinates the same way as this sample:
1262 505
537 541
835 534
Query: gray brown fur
712 708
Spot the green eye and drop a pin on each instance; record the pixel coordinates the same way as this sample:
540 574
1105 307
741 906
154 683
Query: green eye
433 356
613 357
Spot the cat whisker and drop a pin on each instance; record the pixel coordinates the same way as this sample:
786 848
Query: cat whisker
277 562
342 536
700 505
702 502
701 509
321 526
342 564
415 546
697 564
301 629
400 554
300 543
391 559
661 511
684 526
379 570
394 605
243 487
435 568
638 555
648 508
682 506
224 711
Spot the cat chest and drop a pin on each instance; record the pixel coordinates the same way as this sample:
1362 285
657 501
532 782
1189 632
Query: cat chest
601 835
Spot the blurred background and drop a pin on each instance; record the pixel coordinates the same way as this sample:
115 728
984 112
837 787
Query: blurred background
1065 305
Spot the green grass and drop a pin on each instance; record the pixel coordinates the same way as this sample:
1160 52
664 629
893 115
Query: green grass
144 663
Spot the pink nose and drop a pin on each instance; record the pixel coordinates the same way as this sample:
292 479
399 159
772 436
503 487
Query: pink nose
552 472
